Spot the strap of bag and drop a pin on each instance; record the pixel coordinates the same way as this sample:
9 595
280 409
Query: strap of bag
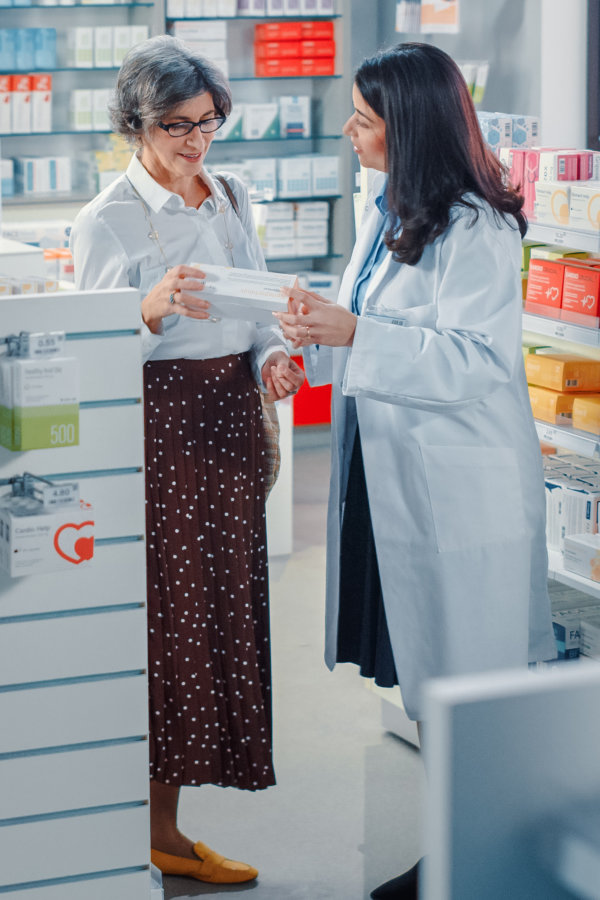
229 192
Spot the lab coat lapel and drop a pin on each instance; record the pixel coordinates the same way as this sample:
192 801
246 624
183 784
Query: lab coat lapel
372 222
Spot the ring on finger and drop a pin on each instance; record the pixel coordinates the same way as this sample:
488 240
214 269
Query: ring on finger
172 297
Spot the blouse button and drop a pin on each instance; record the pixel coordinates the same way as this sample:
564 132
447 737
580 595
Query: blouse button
229 245
222 209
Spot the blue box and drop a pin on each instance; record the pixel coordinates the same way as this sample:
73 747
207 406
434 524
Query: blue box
45 48
7 49
25 49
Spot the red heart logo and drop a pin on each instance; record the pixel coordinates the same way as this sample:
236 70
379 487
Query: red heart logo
83 547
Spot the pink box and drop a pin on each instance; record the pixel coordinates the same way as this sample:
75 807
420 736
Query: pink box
586 165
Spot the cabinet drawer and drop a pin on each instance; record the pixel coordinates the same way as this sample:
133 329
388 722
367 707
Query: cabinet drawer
116 575
59 715
75 779
73 646
75 845
110 368
130 886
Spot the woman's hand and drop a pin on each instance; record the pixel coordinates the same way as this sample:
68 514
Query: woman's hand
311 319
171 297
281 376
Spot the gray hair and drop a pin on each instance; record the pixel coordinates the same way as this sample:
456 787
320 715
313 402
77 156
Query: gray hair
157 76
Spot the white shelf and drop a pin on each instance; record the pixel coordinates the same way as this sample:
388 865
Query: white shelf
573 238
569 439
557 572
578 334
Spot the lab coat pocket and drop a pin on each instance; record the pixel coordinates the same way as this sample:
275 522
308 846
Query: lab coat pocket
475 495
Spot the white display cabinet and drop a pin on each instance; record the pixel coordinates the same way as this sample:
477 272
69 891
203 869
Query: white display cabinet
73 645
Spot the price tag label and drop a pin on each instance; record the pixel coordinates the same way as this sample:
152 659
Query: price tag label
43 344
58 496
560 237
548 434
560 331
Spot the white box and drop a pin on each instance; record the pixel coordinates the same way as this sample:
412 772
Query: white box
33 541
121 43
294 116
32 175
193 8
251 8
280 248
293 7
138 34
200 31
80 47
100 113
41 103
7 177
275 8
103 47
5 104
311 228
264 213
275 231
213 50
325 175
81 109
312 246
232 129
211 8
175 9
227 8
59 173
261 121
322 283
294 176
525 131
319 209
582 555
261 177
584 205
552 202
245 293
20 104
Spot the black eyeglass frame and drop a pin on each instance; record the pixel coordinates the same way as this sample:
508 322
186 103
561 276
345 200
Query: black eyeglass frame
220 119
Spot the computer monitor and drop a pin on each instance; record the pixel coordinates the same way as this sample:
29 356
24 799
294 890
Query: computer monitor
513 764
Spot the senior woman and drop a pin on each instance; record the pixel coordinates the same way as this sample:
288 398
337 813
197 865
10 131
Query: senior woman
209 654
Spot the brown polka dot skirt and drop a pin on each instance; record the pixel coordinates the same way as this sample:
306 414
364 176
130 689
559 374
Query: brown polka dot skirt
208 599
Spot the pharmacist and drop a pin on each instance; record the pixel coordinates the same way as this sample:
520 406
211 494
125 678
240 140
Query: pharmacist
436 561
208 609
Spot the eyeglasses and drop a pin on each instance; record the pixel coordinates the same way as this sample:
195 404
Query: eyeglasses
180 129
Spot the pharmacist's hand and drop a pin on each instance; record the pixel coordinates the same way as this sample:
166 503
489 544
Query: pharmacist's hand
281 376
172 297
311 319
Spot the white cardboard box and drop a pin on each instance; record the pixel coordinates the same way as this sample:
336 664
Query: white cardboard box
245 293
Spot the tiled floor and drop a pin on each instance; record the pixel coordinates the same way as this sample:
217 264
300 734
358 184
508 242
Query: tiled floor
344 815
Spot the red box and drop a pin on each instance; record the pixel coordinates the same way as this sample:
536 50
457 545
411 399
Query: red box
277 50
545 287
586 165
312 405
317 49
581 292
293 31
293 68
323 66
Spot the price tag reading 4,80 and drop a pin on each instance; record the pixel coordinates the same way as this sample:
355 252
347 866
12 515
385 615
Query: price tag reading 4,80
58 496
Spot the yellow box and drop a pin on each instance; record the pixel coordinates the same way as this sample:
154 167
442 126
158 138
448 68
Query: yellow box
563 371
586 413
551 406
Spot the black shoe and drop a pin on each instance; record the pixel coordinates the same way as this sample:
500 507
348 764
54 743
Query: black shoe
404 887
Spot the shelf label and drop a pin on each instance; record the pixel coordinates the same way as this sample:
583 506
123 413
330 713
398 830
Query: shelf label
560 331
58 496
547 434
560 237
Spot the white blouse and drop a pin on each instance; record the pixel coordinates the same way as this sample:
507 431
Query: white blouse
112 247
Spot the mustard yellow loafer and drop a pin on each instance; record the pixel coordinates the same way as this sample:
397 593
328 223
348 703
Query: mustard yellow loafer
210 866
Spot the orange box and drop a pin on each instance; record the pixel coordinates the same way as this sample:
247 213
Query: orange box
563 371
555 407
294 31
545 286
277 50
317 49
581 290
586 413
324 66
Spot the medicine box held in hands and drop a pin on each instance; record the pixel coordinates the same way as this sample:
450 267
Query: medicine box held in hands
245 293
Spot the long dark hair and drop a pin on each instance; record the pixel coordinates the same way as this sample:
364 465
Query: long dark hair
435 150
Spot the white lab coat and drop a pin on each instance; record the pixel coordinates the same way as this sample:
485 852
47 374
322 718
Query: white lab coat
451 456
